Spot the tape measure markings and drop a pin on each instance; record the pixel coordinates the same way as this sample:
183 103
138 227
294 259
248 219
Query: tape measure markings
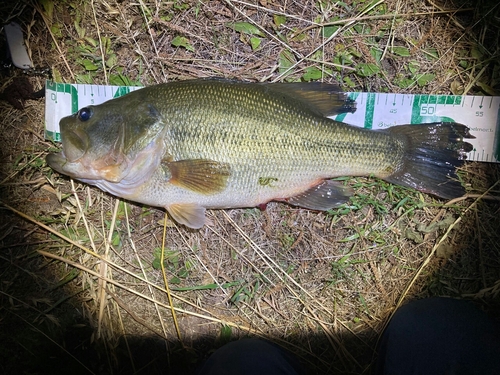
374 111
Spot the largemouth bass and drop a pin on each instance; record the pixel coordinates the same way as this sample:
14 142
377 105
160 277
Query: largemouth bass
192 145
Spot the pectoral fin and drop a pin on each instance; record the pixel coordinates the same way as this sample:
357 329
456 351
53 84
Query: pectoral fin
199 175
328 194
189 214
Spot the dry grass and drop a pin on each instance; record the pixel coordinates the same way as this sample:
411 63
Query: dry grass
81 287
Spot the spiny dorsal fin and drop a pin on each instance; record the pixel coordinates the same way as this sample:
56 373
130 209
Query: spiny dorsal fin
324 98
328 194
199 175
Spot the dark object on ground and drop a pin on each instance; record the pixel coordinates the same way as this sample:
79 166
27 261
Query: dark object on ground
439 336
249 357
20 90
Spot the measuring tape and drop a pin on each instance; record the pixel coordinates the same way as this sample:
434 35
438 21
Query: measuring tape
374 111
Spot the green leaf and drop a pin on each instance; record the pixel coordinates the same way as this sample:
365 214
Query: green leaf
431 54
181 41
56 29
349 83
57 76
89 65
279 20
359 28
116 240
175 280
376 53
367 69
486 88
300 37
353 51
328 31
225 333
111 61
183 273
255 42
352 237
246 28
48 7
84 78
91 41
424 79
401 51
71 275
79 30
476 53
287 60
311 74
156 263
181 6
413 67
121 80
404 83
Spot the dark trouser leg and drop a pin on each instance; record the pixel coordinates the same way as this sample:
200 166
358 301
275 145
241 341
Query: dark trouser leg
439 336
250 357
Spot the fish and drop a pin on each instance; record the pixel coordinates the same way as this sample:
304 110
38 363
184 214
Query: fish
193 145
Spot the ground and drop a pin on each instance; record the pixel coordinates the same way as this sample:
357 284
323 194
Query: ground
82 283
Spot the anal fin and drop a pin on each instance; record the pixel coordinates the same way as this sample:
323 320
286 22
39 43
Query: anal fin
328 194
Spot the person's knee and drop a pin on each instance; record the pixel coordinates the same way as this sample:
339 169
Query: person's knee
251 356
439 336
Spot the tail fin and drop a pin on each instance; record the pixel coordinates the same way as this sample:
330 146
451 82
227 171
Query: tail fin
432 154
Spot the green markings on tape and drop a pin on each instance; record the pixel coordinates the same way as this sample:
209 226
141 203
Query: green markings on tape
64 88
424 107
370 110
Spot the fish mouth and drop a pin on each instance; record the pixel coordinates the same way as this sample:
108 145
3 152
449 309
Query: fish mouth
75 144
61 164
71 160
56 161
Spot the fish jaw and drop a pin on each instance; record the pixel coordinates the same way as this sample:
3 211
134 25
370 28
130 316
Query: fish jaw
78 161
114 173
88 170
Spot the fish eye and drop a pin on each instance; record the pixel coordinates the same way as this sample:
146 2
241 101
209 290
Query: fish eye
85 114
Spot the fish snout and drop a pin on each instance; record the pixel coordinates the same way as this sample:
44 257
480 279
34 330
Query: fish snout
56 162
75 144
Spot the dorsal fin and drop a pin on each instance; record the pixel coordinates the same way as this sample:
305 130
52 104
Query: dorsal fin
326 99
323 98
